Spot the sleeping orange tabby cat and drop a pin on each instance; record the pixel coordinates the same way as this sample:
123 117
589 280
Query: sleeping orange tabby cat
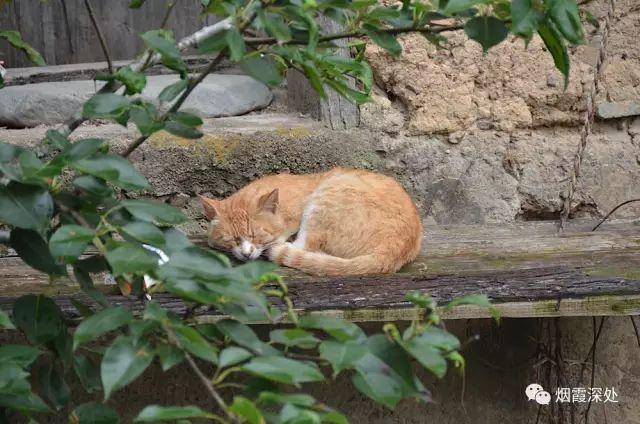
348 222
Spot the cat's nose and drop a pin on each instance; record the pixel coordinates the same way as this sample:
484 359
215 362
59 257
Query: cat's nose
247 249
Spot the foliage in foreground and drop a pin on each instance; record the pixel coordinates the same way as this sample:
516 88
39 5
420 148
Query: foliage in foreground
72 213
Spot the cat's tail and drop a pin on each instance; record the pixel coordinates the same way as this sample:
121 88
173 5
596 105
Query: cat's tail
318 263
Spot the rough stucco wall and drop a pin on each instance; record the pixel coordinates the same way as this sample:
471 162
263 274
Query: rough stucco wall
491 137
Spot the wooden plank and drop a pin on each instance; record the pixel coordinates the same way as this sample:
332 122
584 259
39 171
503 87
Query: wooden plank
334 111
528 270
120 24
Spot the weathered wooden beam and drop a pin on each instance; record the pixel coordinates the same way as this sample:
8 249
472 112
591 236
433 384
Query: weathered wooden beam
528 270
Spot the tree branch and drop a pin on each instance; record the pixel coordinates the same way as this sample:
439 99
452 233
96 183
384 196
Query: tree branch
357 34
192 85
145 61
206 382
103 42
167 15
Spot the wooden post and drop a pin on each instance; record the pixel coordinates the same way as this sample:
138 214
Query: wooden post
334 111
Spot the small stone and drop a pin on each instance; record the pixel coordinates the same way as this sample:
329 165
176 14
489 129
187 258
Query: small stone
484 124
552 80
180 200
457 137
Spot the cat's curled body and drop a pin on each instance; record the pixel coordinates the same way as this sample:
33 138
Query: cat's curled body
346 222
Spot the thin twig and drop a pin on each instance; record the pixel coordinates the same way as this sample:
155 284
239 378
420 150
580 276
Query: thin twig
635 328
356 34
167 15
103 42
145 61
192 85
612 211
206 382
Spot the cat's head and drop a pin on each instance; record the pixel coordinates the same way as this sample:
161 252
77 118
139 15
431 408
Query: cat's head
244 227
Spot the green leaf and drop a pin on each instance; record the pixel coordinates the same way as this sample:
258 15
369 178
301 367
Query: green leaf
185 118
107 105
134 82
53 386
144 232
69 242
193 342
88 373
113 168
94 413
383 39
566 16
172 91
13 379
135 4
233 355
379 387
430 357
235 43
457 6
86 284
16 41
244 408
123 362
261 68
169 355
154 212
524 18
294 399
294 337
181 130
5 321
33 250
101 323
25 206
164 43
436 337
20 355
38 317
155 413
93 186
335 327
25 403
126 257
275 25
284 370
244 336
57 140
474 299
341 355
486 30
313 75
145 119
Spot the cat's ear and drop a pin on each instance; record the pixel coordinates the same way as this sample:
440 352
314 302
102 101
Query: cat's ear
269 202
211 207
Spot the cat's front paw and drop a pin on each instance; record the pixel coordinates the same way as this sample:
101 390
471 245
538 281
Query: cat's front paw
277 252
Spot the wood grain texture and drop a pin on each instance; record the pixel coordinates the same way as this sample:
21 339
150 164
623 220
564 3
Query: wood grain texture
334 111
42 24
528 270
